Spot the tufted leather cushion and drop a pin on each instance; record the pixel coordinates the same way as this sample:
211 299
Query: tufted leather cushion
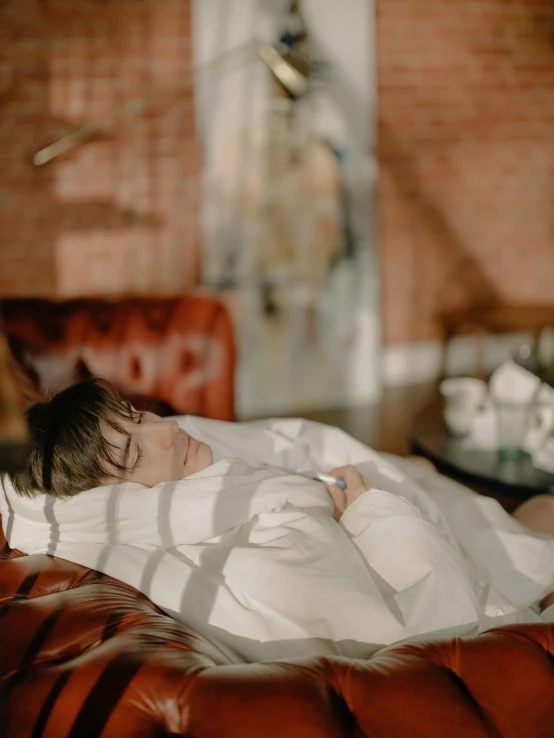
167 355
85 655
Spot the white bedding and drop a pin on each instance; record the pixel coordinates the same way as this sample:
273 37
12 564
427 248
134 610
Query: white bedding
250 556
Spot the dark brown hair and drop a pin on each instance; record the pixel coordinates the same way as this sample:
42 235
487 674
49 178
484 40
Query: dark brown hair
69 453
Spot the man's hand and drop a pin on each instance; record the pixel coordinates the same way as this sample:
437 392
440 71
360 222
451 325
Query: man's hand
356 485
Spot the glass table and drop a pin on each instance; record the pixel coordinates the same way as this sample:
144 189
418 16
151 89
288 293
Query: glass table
518 479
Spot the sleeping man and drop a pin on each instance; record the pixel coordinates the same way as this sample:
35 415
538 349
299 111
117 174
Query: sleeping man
223 526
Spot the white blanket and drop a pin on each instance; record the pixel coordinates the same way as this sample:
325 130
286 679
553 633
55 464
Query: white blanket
249 554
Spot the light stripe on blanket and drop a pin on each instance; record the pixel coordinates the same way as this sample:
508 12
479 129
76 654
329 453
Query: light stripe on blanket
250 555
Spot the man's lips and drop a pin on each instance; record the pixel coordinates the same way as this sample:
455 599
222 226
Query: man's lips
189 439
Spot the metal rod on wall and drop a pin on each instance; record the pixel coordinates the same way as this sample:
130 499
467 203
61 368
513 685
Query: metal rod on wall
289 77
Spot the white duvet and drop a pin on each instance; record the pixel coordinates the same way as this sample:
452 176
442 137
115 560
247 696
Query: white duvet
248 553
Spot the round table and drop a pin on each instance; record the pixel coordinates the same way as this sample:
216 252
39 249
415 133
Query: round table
431 439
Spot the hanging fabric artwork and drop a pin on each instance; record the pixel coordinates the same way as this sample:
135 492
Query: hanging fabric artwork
285 105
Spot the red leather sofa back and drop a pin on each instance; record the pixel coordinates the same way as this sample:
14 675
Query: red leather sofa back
173 356
85 656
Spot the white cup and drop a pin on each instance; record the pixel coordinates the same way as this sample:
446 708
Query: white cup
463 397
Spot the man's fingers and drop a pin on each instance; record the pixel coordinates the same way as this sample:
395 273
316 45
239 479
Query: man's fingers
342 470
352 477
338 497
356 484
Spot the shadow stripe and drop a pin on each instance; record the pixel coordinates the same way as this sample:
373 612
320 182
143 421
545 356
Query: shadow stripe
111 625
23 592
29 656
147 576
105 695
49 514
27 585
8 524
41 635
48 704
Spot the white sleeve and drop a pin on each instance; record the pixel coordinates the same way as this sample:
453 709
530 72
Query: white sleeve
420 574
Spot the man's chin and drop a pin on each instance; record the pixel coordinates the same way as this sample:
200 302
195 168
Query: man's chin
205 456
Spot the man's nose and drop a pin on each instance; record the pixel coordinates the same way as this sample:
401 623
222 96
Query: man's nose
164 432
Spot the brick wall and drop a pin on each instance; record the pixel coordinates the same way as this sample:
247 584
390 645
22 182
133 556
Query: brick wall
466 150
118 214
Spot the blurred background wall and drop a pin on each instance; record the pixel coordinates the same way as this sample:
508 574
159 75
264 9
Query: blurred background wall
465 149
466 153
119 213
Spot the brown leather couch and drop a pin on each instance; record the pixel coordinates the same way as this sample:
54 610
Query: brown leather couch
171 356
84 656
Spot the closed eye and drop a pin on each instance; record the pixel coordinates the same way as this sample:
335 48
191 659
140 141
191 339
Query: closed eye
139 458
133 413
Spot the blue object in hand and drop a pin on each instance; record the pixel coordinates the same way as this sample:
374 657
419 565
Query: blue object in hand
328 479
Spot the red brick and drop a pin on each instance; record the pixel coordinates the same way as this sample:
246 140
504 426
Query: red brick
466 152
71 62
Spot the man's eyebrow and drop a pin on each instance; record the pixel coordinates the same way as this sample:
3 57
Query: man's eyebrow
133 413
127 448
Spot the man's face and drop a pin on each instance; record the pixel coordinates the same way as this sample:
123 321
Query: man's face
156 450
